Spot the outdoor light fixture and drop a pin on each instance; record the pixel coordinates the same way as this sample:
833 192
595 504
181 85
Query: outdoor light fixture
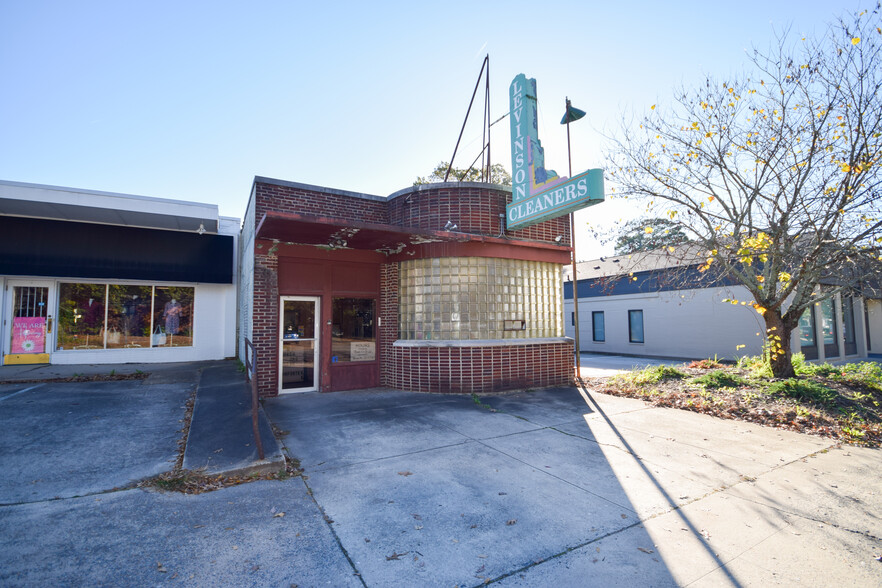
201 229
450 226
558 239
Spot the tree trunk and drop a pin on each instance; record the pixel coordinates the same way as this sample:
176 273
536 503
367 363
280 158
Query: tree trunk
778 351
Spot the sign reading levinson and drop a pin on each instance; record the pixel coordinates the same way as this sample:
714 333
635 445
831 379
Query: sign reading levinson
539 194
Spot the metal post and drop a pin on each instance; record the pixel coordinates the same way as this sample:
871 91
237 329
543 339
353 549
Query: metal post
575 271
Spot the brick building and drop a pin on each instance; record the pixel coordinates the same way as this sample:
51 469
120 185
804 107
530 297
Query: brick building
422 290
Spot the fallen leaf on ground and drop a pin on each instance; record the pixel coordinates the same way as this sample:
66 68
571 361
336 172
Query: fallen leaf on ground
395 555
405 473
511 522
279 514
644 550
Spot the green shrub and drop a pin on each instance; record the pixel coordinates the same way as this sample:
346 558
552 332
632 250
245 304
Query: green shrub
719 379
802 390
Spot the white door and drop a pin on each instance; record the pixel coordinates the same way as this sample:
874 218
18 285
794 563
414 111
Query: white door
299 343
29 321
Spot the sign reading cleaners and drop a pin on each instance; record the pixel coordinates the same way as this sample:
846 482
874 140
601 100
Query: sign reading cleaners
539 194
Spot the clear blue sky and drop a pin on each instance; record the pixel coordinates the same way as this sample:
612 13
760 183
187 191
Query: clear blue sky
191 100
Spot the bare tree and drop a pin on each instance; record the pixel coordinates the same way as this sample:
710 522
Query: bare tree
775 173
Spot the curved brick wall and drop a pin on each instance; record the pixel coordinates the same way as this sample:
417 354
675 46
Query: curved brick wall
474 207
480 369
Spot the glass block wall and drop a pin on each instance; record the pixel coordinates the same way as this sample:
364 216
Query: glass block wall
479 298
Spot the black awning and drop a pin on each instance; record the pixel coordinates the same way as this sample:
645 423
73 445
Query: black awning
40 247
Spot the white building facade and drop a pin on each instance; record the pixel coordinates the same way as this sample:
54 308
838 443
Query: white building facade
103 278
635 313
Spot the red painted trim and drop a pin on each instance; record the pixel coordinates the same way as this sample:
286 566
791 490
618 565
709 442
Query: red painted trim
495 248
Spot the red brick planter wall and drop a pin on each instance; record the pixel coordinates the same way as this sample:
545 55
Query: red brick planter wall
480 369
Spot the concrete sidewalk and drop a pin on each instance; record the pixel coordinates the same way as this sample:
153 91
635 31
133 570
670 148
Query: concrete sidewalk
568 487
221 438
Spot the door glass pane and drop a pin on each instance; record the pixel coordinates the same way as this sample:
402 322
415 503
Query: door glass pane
848 319
298 344
298 367
29 307
128 316
81 316
807 328
829 328
828 322
352 333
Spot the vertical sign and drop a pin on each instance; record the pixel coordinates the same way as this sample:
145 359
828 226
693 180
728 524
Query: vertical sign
539 194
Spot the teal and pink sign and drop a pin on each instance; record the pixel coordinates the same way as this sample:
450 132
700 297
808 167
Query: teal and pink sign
539 194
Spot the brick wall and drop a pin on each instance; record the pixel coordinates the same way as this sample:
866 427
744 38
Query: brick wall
388 313
265 319
474 209
480 370
301 200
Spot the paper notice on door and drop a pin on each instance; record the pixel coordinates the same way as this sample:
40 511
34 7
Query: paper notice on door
362 351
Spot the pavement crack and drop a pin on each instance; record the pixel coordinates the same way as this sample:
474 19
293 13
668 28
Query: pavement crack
132 486
329 522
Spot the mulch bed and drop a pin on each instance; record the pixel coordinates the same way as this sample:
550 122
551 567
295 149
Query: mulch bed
90 378
752 403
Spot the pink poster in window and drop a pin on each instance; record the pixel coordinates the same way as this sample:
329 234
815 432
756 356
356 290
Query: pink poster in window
28 334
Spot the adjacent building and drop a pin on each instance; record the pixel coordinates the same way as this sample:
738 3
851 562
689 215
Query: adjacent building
628 306
98 277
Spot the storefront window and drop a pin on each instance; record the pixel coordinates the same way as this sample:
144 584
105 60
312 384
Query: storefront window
116 316
352 333
173 316
128 317
81 316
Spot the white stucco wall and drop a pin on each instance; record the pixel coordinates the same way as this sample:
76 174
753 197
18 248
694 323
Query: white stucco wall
246 278
692 324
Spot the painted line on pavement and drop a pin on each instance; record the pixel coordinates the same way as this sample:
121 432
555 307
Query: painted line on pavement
20 392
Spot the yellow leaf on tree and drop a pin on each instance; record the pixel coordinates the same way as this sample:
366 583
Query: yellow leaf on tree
648 230
856 40
652 107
